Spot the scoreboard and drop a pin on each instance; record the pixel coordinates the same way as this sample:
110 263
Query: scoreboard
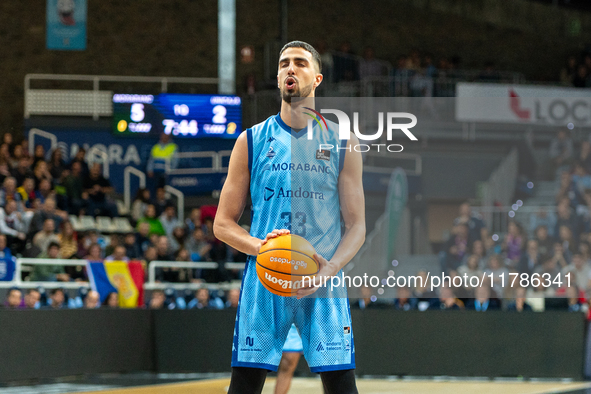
180 115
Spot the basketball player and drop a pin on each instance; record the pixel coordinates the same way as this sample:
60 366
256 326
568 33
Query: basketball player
292 351
263 319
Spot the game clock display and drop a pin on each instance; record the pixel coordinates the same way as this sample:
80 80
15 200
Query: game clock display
180 115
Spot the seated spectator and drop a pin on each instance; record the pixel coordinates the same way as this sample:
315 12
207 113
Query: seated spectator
27 192
13 226
482 301
177 240
38 154
585 251
94 253
14 299
569 191
470 269
447 300
530 260
519 305
41 173
152 220
561 150
545 241
46 236
169 220
67 240
80 158
569 243
119 254
499 272
142 238
161 202
369 66
165 274
111 301
232 298
16 155
32 299
140 203
57 300
57 165
473 221
404 300
47 273
551 265
132 247
44 191
8 193
97 188
422 292
514 243
74 185
157 300
542 218
150 254
581 269
194 220
47 211
202 300
581 177
198 246
22 171
92 300
7 261
479 250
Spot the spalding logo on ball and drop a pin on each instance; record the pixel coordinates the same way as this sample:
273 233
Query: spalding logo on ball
283 263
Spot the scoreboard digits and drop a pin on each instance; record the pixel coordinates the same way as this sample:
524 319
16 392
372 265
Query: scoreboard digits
180 115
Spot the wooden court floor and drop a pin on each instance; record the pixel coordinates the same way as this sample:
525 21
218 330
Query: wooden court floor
365 386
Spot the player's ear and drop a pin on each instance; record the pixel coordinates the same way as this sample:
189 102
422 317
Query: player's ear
278 85
318 80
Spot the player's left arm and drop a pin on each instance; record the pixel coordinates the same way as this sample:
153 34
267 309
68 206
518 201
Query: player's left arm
352 202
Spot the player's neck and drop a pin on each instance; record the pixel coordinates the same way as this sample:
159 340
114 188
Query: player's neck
292 114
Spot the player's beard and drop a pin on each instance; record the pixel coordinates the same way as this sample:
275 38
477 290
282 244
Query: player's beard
303 92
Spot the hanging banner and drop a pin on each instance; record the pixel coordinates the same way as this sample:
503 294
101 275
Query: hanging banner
66 24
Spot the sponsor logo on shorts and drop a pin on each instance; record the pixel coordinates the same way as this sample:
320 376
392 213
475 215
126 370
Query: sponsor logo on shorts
296 263
287 284
320 348
347 330
334 346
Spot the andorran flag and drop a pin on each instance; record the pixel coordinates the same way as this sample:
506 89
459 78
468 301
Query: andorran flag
125 279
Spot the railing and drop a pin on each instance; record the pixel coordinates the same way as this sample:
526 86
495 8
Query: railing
498 218
500 186
34 132
180 200
104 159
127 183
151 283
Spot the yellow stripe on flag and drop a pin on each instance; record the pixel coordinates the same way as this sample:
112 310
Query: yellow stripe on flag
120 277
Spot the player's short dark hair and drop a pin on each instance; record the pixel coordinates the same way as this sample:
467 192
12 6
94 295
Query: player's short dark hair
307 47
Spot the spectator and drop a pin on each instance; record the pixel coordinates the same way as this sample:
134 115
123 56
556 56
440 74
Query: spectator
345 64
32 299
585 155
8 192
132 247
80 158
201 300
561 150
580 79
482 301
142 239
98 188
165 274
14 298
470 269
580 177
27 192
140 204
542 218
17 154
46 236
47 273
119 254
38 155
111 301
568 73
198 246
367 300
551 265
22 171
150 254
545 242
569 244
530 260
369 66
519 305
404 301
568 191
448 301
67 241
94 253
161 202
57 165
40 173
169 220
422 292
58 300
47 211
474 222
177 240
92 300
499 274
514 242
13 226
157 300
232 298
155 226
163 156
7 261
44 191
479 250
194 220
74 185
581 269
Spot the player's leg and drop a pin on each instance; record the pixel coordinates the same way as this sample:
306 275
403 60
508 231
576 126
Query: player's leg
339 382
287 366
247 380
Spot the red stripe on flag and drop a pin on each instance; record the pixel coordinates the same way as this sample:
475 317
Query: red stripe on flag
136 270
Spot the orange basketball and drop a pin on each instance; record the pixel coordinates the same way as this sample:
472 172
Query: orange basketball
283 263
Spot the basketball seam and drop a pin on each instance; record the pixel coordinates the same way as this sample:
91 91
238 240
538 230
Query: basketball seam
289 250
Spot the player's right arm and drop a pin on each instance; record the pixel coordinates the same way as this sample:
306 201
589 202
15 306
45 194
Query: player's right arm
232 202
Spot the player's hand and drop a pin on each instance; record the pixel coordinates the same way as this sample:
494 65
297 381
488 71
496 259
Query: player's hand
327 269
274 234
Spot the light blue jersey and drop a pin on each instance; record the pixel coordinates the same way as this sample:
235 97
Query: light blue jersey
293 186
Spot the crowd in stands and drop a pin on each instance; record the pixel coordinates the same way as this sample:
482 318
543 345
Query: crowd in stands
577 70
